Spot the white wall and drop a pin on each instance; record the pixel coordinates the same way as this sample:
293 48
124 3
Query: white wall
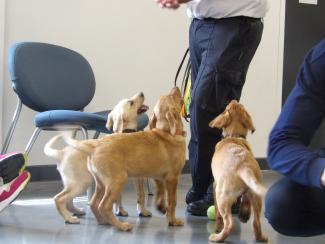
262 92
2 58
132 46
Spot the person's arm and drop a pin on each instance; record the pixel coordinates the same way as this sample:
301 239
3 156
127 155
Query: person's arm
302 114
172 4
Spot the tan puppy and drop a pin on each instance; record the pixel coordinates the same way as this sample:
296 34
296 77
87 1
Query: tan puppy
158 153
72 164
123 119
236 173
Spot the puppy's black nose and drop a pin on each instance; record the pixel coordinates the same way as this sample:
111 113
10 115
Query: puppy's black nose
141 94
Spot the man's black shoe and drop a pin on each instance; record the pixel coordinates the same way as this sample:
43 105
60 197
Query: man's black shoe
199 208
193 196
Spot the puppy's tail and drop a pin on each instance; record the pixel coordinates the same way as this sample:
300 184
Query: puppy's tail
86 146
52 152
247 175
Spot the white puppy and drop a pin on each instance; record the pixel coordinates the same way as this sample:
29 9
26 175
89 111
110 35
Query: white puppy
72 164
123 117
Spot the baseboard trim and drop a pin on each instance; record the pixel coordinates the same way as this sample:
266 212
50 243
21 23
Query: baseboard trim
262 162
50 173
43 173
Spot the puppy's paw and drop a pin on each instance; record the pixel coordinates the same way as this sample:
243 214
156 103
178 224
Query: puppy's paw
122 213
217 238
145 213
161 207
244 212
160 204
125 226
72 220
176 222
244 216
79 212
262 238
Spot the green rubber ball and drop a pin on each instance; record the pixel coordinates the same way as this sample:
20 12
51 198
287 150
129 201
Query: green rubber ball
211 213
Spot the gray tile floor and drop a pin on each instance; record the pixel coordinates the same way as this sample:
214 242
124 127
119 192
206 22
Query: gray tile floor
33 219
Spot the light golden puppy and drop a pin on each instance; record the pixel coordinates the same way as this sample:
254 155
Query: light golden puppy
236 173
123 117
158 154
72 163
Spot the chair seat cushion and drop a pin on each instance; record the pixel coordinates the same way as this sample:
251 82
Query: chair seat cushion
90 121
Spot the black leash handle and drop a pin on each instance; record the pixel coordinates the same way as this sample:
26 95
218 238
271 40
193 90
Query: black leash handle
185 80
180 66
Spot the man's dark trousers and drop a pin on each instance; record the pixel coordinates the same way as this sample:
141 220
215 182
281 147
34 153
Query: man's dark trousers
220 52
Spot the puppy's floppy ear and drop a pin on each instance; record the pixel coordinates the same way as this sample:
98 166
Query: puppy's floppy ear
172 122
118 124
223 120
109 123
152 121
247 122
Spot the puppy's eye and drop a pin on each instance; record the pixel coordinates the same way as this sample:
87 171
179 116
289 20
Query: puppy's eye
131 103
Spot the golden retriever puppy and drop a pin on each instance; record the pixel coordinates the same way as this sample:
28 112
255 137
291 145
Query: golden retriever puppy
236 173
123 117
158 153
72 163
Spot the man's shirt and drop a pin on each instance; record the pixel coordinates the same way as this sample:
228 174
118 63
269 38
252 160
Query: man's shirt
218 9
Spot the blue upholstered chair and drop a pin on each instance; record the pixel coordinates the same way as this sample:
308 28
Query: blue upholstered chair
57 83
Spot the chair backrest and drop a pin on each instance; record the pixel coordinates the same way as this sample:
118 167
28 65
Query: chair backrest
47 77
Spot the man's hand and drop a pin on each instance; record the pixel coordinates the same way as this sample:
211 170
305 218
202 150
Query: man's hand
172 4
323 178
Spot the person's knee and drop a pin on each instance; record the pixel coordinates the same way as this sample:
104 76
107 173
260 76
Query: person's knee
273 212
280 211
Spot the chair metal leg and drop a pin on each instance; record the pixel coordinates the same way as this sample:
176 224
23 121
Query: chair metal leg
74 134
96 135
150 193
84 132
12 127
32 140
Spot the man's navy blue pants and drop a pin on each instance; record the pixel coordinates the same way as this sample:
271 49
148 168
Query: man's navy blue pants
220 52
294 209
